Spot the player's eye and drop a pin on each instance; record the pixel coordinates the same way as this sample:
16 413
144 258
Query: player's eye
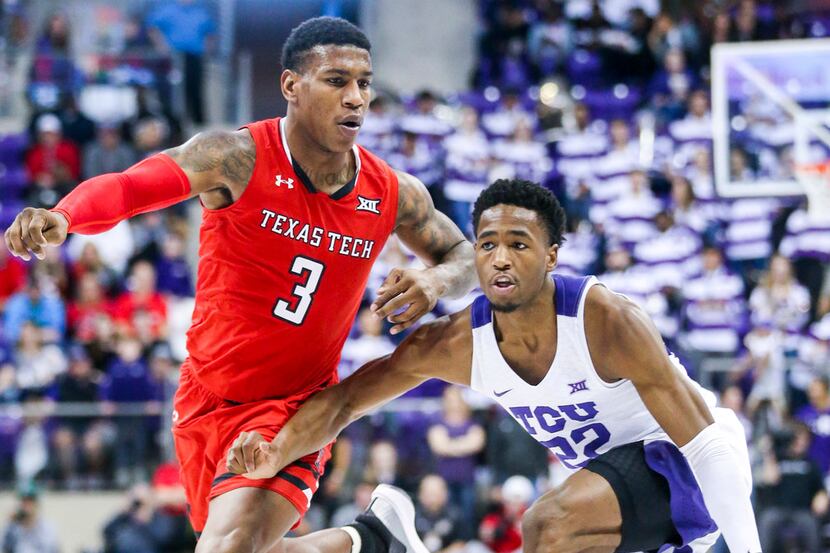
364 84
487 246
519 245
336 81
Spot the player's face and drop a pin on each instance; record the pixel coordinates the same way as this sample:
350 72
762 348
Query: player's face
513 256
331 95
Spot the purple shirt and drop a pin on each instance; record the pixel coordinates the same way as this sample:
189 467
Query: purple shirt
456 470
819 423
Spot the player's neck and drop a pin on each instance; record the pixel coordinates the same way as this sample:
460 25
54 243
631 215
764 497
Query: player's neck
532 318
328 171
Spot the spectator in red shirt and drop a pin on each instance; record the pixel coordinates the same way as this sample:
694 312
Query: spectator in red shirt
501 530
54 163
12 276
140 302
91 304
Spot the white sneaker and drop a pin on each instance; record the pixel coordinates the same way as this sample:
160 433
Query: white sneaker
392 507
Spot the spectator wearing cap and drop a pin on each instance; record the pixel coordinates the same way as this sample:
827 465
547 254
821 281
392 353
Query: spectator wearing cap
53 163
28 531
108 154
39 306
501 530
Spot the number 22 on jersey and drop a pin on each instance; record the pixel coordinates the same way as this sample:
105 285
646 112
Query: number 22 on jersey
303 291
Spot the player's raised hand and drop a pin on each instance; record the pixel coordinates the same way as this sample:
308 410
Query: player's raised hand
253 457
33 230
405 296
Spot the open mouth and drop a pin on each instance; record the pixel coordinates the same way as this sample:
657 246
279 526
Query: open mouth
503 284
351 124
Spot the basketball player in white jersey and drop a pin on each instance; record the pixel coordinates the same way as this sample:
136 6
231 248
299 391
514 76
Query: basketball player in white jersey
585 372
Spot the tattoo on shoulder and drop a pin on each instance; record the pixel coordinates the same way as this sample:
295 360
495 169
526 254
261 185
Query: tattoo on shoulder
231 153
414 202
427 231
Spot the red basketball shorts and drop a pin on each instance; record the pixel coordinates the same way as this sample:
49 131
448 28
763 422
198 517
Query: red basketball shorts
204 428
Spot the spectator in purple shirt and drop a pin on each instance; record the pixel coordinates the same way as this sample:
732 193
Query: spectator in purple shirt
172 271
129 380
816 415
455 439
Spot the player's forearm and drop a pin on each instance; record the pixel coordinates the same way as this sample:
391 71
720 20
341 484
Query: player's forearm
100 203
726 491
325 414
456 271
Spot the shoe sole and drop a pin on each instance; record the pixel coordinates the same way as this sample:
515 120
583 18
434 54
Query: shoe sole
405 511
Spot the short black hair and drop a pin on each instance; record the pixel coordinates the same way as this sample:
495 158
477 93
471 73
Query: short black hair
318 31
527 194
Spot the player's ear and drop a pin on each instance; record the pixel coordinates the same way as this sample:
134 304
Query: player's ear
552 257
289 81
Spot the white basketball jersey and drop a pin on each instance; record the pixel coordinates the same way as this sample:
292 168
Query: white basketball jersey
572 411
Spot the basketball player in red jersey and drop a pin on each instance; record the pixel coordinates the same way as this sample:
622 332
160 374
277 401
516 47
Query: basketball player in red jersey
295 215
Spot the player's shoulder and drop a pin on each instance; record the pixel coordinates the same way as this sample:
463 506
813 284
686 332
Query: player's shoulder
607 311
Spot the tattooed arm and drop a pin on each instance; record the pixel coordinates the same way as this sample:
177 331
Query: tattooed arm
439 244
218 164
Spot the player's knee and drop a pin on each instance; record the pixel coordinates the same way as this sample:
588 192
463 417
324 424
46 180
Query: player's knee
548 526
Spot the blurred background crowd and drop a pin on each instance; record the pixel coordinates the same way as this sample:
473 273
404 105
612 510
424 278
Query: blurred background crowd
605 103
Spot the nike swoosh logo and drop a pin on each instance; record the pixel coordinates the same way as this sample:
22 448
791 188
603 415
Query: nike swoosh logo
499 394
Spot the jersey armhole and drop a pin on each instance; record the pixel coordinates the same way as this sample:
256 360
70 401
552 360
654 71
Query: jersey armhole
580 314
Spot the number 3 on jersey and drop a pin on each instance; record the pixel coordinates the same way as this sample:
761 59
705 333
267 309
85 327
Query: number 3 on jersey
304 292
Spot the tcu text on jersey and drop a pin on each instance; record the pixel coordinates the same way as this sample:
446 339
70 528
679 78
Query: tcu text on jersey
565 421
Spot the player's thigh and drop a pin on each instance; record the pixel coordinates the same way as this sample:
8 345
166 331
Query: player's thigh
582 514
246 520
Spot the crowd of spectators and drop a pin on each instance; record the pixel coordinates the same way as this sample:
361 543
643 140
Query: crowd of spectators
605 103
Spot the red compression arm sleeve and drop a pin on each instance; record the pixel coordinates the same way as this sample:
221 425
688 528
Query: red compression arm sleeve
100 203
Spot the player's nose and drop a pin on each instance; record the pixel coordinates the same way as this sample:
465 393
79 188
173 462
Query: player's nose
352 98
501 257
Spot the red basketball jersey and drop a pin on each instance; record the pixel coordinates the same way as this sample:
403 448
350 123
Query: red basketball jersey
282 273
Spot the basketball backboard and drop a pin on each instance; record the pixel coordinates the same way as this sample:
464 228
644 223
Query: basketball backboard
770 110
